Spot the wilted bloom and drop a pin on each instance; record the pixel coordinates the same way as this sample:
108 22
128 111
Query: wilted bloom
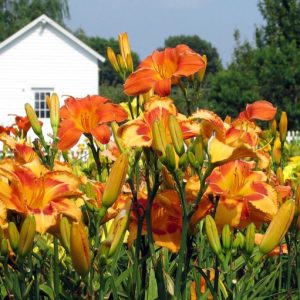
162 69
88 115
245 196
45 197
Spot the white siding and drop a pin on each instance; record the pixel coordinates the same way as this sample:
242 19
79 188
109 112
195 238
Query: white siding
43 58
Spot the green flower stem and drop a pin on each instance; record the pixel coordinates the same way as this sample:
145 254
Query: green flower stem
56 268
95 153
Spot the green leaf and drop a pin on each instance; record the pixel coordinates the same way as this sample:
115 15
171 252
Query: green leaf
47 290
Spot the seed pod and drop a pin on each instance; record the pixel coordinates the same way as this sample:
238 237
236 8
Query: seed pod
278 227
115 180
79 249
65 231
35 124
213 236
226 236
13 235
283 125
250 238
54 113
27 234
176 135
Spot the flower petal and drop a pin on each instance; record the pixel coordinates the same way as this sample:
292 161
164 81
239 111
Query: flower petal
68 134
101 133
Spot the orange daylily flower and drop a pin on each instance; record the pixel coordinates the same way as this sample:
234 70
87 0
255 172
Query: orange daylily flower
244 195
162 69
237 139
46 197
87 115
138 132
166 220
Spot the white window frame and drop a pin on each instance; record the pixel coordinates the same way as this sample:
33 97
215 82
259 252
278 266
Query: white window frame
40 104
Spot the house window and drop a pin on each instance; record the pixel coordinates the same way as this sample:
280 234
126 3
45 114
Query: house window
40 104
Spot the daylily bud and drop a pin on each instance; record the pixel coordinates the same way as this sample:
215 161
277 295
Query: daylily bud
283 125
4 247
159 138
27 234
129 63
170 157
176 135
213 236
198 150
201 72
116 233
279 175
125 50
13 235
118 140
121 62
297 200
183 161
1 233
241 239
192 159
115 180
79 249
35 124
250 238
65 232
54 113
113 59
226 236
273 127
278 227
277 150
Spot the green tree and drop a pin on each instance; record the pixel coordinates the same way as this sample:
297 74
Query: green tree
200 46
15 14
269 70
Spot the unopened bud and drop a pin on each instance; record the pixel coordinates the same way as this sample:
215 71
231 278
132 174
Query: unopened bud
33 119
170 157
250 238
192 160
13 235
278 227
115 181
159 138
121 62
213 236
176 135
277 151
27 234
198 150
273 127
54 113
4 247
79 249
65 232
283 125
183 161
226 236
113 59
201 72
279 175
297 201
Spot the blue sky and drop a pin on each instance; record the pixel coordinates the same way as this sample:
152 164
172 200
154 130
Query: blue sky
149 22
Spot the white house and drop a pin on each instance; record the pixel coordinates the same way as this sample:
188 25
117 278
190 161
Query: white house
42 58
